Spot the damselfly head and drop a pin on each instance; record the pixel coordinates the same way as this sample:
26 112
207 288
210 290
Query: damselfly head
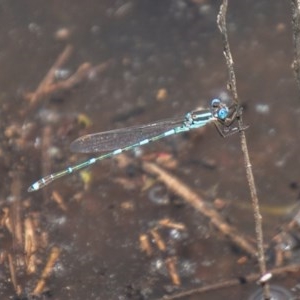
219 109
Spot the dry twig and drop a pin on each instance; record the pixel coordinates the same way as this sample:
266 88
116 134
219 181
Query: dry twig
49 86
54 255
49 78
193 199
250 178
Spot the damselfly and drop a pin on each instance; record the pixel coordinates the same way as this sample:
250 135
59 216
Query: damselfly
117 141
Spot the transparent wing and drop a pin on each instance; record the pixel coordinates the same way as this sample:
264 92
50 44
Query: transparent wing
119 138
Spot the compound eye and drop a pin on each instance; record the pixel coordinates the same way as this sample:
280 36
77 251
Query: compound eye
215 103
222 113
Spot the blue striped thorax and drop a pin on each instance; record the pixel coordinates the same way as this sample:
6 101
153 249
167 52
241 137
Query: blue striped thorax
198 118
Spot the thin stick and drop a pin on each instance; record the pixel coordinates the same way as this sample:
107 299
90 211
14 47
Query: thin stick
16 213
13 275
296 38
195 200
30 245
221 20
171 266
54 255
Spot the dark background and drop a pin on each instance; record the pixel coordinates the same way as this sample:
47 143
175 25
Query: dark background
171 45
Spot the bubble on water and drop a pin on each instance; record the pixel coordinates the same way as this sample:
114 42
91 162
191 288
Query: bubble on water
178 235
158 194
263 109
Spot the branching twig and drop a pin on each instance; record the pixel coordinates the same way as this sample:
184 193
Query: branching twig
250 178
49 78
49 85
